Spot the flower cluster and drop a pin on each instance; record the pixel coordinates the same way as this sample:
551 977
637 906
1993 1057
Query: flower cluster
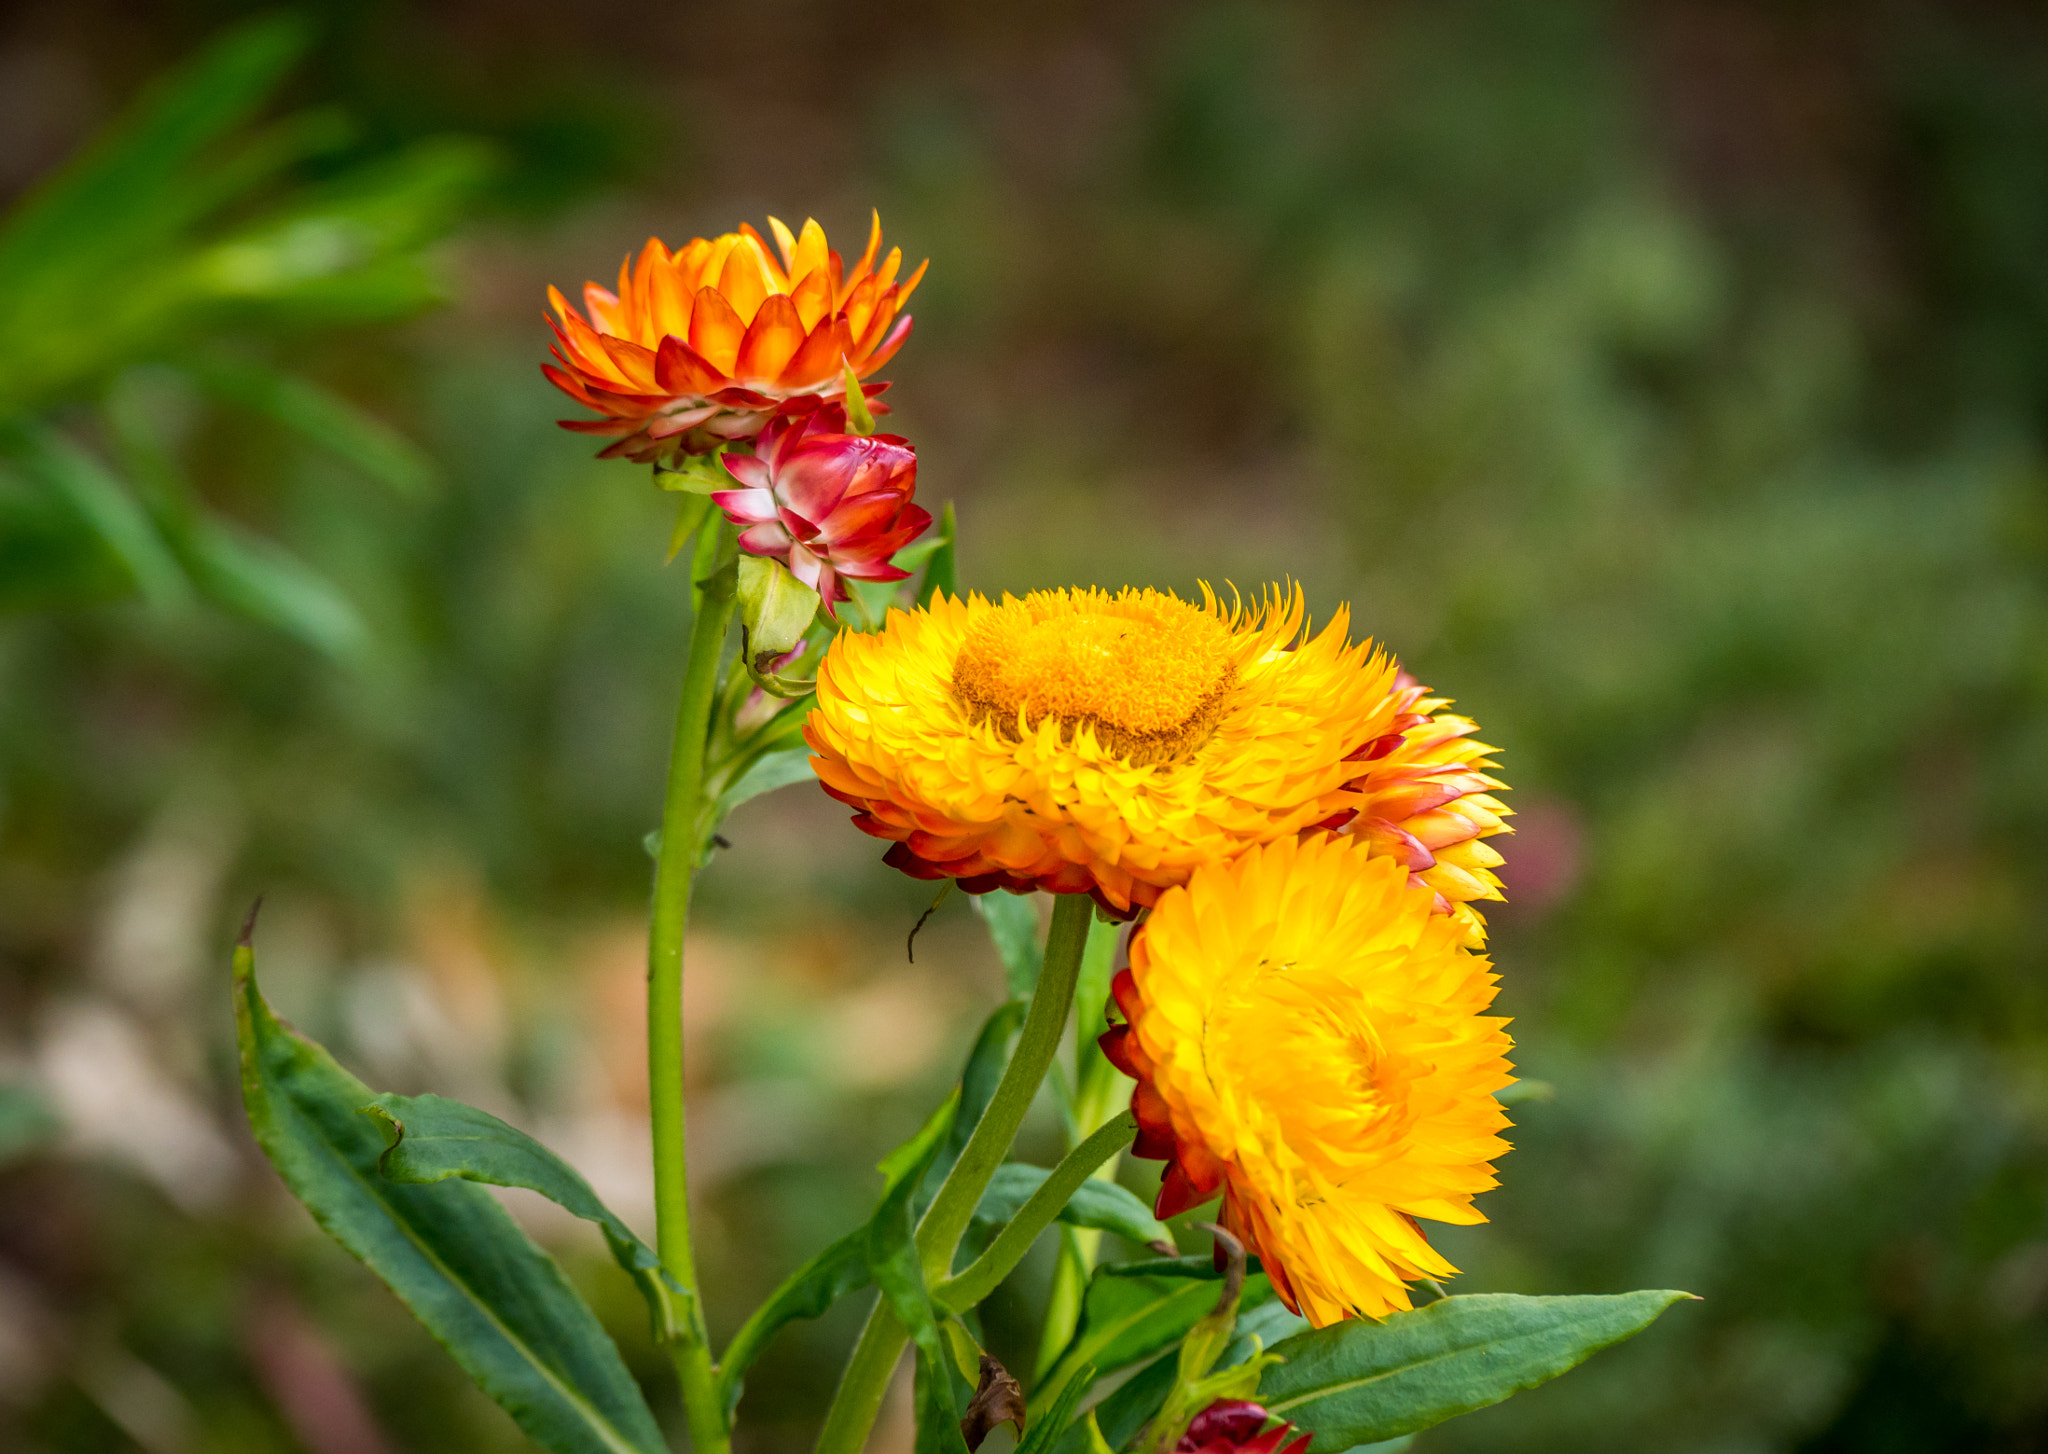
725 347
1305 1006
1302 829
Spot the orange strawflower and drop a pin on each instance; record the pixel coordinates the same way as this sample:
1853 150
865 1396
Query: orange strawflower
1310 1037
1080 741
704 344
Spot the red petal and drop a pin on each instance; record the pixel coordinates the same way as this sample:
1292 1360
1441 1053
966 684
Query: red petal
1177 1193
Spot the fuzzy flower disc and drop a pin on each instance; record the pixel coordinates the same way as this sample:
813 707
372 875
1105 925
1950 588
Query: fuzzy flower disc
1310 1038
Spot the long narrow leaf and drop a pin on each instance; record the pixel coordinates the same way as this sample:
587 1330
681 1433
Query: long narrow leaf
1359 1382
453 1255
104 504
265 582
1013 927
431 1139
325 419
136 161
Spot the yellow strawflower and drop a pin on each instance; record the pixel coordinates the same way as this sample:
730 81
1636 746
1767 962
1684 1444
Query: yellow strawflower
1080 741
1310 1038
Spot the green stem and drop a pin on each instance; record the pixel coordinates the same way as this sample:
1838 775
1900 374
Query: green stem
1097 1089
959 1293
864 1383
945 1222
680 817
866 1380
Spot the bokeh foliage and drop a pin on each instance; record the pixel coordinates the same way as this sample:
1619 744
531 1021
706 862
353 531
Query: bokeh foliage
1667 383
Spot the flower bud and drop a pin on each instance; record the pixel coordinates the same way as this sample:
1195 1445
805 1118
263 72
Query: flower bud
776 609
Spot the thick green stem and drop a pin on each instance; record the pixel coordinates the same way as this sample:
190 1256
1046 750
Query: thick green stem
978 1281
866 1380
680 817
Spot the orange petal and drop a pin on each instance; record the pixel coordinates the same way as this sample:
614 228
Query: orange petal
603 307
810 252
867 259
680 369
904 291
772 340
778 279
586 345
716 331
785 243
692 264
882 352
747 278
891 265
859 307
812 296
634 361
712 264
823 355
667 301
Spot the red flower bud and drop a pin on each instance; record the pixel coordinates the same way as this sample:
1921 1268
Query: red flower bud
826 503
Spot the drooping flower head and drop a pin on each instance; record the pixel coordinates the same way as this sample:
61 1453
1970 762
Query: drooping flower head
1238 1426
705 343
826 503
1084 742
1310 1037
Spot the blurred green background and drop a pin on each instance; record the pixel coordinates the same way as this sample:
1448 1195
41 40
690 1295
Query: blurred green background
1666 382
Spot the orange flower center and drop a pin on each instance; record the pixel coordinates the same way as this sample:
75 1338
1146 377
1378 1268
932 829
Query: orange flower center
1149 673
1301 1053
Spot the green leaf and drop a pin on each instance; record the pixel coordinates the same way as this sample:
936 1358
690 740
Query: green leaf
431 1139
142 154
325 419
940 574
839 1270
770 771
1046 1429
1360 1381
1132 1310
898 1271
265 582
1101 1204
1012 921
978 1081
105 506
453 1255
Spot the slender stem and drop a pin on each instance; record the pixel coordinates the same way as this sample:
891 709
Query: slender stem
864 1383
1096 1092
866 1380
945 1221
957 1294
681 812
